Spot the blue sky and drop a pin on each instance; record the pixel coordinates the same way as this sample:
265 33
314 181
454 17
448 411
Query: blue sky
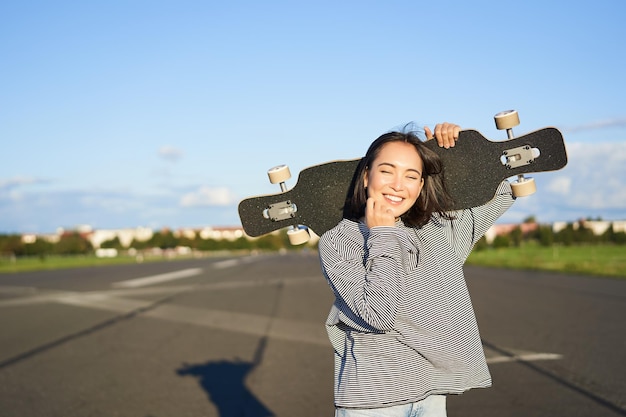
167 113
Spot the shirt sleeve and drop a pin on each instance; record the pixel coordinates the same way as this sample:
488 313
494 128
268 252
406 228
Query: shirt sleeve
366 275
472 224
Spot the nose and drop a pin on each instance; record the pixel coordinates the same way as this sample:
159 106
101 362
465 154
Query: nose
397 183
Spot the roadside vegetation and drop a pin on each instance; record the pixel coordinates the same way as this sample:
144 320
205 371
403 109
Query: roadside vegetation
598 259
75 250
571 250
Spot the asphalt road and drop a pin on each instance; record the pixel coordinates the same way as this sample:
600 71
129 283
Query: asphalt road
245 337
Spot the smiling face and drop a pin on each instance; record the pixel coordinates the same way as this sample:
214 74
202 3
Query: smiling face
394 178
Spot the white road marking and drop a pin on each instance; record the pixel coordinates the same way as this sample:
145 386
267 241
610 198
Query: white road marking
527 357
155 279
12 290
228 263
49 296
120 301
252 324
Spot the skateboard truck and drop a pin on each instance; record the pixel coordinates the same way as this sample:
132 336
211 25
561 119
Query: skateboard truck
280 211
285 209
516 157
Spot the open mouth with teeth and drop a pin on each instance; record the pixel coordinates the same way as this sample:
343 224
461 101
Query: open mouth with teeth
394 198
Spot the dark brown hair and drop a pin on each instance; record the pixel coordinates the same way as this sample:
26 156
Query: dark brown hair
434 197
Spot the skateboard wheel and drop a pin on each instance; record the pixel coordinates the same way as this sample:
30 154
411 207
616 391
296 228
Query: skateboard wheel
524 187
298 236
279 174
506 119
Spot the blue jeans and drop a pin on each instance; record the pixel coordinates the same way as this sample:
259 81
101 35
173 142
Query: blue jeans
431 406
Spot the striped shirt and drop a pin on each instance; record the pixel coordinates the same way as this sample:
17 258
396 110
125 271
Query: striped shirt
402 325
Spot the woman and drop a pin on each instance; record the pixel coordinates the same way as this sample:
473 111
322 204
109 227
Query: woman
402 324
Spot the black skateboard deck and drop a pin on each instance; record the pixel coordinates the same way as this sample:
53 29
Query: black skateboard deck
473 170
475 167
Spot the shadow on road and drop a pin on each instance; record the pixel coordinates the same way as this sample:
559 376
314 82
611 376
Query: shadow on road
225 386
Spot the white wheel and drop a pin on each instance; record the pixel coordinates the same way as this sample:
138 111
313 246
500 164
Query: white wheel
279 174
298 236
524 187
506 119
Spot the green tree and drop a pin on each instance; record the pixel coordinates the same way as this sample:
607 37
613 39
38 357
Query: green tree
501 241
270 242
240 243
73 244
39 247
545 235
11 245
112 244
612 236
566 235
164 239
516 236
481 244
189 242
139 244
207 244
584 235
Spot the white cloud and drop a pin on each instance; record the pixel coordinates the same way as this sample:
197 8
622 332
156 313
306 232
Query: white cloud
44 210
18 182
207 196
170 153
597 172
591 185
619 122
13 189
560 185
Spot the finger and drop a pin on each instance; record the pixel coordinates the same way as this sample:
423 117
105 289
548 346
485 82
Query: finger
428 132
447 134
457 131
453 134
441 135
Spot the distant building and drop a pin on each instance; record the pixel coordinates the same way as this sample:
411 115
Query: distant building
125 236
50 238
222 233
598 227
505 229
619 226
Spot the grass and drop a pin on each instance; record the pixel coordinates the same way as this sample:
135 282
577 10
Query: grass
599 260
33 263
11 265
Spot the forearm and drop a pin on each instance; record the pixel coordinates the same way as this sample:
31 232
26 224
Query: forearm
368 289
